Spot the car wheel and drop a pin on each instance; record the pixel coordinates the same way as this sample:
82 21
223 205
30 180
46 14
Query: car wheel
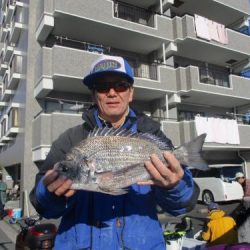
207 197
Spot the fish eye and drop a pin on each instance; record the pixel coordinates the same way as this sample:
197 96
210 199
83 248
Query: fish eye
64 168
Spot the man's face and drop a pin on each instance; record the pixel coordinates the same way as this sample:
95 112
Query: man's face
112 95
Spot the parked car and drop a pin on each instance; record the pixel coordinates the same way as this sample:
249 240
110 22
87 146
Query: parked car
218 183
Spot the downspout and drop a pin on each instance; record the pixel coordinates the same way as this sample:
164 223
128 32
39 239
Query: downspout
161 8
244 162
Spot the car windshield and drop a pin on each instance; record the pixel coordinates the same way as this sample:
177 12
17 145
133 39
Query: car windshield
229 172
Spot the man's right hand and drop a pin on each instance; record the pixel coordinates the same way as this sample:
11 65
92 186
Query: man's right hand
59 185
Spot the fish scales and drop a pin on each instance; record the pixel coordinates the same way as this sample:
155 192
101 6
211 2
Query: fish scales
114 152
109 162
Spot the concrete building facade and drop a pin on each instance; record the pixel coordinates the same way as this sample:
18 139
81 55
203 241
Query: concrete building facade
47 47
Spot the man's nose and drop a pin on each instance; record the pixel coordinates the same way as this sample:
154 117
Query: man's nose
111 91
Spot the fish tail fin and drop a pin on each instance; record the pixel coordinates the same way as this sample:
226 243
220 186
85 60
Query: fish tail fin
190 153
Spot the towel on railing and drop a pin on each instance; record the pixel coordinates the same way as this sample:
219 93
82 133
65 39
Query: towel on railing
210 30
218 130
201 27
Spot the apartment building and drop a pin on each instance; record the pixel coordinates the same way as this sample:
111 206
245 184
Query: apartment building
190 59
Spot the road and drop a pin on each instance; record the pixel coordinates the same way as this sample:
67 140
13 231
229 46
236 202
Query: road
5 242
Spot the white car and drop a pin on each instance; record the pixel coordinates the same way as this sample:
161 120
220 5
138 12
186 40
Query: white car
218 183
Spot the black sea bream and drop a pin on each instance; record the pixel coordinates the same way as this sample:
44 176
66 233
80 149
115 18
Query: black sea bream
109 160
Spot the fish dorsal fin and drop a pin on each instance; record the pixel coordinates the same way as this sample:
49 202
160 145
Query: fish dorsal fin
106 131
123 132
163 145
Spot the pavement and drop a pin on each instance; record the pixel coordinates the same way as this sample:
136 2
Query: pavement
8 232
11 230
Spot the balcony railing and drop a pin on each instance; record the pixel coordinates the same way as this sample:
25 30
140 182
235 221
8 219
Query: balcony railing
144 70
214 77
65 106
190 116
133 14
71 43
141 69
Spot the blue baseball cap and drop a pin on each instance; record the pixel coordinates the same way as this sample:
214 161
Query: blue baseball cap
106 65
213 206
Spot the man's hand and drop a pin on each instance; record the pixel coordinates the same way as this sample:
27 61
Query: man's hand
59 185
162 175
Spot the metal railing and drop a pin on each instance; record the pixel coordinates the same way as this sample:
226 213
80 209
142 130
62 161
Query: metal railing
133 14
141 69
71 43
214 77
65 106
190 116
144 70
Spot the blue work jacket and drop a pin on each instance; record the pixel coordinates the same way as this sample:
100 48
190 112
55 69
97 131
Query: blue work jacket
97 221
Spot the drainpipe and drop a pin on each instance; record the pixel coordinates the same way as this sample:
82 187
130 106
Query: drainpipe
245 163
161 9
164 53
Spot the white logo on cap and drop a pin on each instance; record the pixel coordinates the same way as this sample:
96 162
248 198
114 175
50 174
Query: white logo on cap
106 65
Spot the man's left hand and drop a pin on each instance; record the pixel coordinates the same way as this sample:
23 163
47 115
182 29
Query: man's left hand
161 174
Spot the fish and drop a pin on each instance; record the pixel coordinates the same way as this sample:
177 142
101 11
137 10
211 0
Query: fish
110 160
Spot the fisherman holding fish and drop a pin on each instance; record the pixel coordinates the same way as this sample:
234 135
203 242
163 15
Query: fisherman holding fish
107 177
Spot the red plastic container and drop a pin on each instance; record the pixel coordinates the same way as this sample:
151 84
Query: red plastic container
10 212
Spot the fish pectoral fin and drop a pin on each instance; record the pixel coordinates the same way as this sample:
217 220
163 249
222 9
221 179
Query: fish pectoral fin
125 177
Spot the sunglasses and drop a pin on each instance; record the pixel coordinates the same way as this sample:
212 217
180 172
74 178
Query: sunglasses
104 87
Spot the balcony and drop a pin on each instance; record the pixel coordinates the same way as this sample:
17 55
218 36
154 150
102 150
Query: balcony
7 94
70 65
221 89
10 12
15 71
213 76
15 31
45 27
133 14
3 68
185 131
3 34
8 53
13 131
228 12
4 4
47 127
4 139
102 20
230 52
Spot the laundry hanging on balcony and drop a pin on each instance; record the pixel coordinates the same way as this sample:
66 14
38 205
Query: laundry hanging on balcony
218 130
210 30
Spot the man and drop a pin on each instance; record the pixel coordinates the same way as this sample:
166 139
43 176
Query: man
92 220
3 196
221 229
245 183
